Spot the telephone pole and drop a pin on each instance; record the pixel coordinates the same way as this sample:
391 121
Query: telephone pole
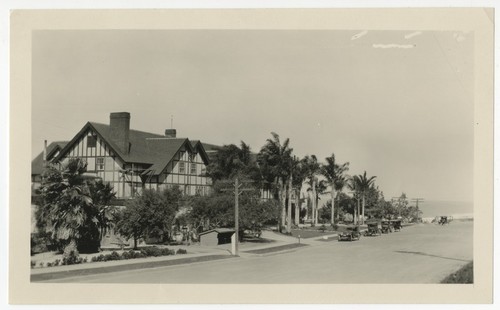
236 216
237 192
417 200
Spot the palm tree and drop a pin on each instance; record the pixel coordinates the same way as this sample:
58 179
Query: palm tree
67 211
353 186
334 174
231 160
275 161
363 185
299 176
102 194
312 168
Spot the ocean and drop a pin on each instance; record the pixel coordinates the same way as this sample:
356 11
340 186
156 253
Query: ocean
433 208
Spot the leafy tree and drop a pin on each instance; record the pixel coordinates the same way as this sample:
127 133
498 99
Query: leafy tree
335 175
67 211
255 212
215 210
150 211
275 161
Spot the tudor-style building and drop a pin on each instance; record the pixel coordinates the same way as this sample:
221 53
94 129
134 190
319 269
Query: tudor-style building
131 160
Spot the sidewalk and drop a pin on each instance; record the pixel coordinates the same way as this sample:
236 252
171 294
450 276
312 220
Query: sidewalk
58 272
277 244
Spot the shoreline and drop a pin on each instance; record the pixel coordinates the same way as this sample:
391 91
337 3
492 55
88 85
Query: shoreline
456 217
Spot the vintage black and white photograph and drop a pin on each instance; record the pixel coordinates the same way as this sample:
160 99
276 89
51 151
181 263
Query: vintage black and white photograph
267 156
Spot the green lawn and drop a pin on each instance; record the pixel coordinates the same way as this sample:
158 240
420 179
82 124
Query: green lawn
463 275
311 233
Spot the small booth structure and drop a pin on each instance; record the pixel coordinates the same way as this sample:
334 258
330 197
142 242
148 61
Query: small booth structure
216 236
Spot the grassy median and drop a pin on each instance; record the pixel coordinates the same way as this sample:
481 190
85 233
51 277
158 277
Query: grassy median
463 275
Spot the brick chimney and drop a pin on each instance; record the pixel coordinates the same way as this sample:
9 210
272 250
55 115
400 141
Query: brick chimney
119 124
170 133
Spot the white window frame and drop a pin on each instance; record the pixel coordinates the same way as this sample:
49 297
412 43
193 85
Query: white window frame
99 166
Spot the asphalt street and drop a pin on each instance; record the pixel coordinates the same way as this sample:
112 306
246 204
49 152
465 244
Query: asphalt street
424 253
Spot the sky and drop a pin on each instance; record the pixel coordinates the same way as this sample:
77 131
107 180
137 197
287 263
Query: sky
396 104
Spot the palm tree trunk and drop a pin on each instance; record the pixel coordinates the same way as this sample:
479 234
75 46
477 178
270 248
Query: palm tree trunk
333 206
357 219
354 218
297 207
363 211
289 207
338 204
282 205
314 207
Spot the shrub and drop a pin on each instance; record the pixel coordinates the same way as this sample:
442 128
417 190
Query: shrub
57 261
151 251
115 256
139 255
49 264
71 257
181 251
99 258
322 228
127 255
33 264
167 251
41 264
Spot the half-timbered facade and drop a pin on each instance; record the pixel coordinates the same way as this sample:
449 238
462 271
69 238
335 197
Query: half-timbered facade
131 160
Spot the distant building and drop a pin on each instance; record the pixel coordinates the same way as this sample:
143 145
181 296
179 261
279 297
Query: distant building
131 160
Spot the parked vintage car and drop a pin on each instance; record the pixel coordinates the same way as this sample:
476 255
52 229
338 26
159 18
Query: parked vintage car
387 227
374 229
351 233
444 220
252 233
396 224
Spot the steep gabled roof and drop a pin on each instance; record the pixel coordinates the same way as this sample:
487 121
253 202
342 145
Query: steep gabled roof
145 148
52 148
162 151
199 147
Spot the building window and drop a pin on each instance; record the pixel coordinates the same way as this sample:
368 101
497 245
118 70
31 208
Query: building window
91 141
203 170
99 164
199 190
182 167
193 168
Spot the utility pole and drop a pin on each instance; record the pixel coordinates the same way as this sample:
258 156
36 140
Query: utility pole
417 200
237 192
236 216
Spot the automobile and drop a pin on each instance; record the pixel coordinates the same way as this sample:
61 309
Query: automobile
373 229
351 233
444 220
387 227
252 233
396 224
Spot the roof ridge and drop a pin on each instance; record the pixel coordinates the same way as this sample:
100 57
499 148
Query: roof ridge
135 130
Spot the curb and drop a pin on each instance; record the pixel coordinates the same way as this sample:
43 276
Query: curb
277 250
124 267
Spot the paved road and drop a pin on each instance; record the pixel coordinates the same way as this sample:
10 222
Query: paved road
424 253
